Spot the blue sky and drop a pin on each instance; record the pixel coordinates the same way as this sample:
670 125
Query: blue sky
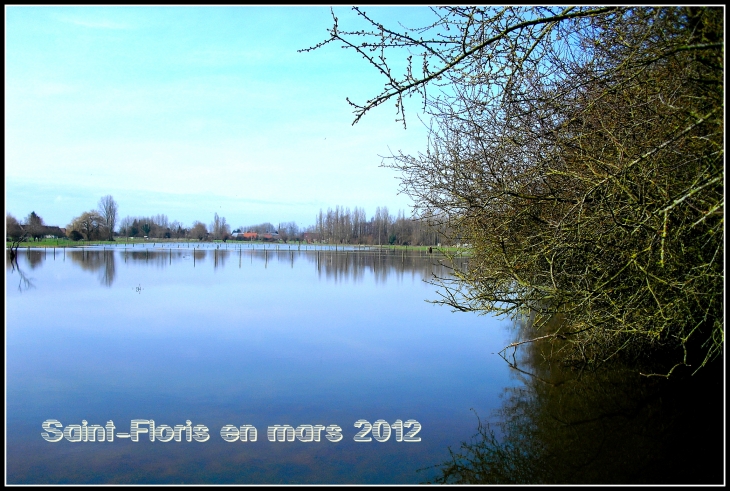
192 111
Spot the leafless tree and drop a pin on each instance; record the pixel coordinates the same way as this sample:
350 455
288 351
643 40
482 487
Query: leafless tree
219 228
288 231
13 230
198 231
108 210
579 151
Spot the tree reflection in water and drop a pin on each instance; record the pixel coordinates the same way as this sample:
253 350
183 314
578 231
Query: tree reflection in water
608 425
333 265
101 261
25 282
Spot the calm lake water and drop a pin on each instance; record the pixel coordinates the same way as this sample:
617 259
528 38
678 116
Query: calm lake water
303 337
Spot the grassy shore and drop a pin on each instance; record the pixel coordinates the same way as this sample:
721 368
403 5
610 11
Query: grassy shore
87 243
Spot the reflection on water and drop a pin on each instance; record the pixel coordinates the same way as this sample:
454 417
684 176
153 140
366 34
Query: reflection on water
264 336
239 337
25 282
102 262
610 426
334 265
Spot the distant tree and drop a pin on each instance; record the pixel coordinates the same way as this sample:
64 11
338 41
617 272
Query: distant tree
215 226
34 225
198 231
288 231
381 223
13 230
16 234
261 228
177 230
219 228
154 226
108 211
125 226
90 224
159 226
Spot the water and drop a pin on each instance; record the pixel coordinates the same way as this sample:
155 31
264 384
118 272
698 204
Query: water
605 426
239 337
247 336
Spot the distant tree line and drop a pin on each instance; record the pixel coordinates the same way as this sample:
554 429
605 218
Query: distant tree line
345 226
160 227
97 224
352 227
261 228
31 228
341 226
156 226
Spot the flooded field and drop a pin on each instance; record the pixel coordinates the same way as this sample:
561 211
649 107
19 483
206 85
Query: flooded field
335 355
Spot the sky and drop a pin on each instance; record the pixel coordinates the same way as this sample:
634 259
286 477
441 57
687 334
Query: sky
192 111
